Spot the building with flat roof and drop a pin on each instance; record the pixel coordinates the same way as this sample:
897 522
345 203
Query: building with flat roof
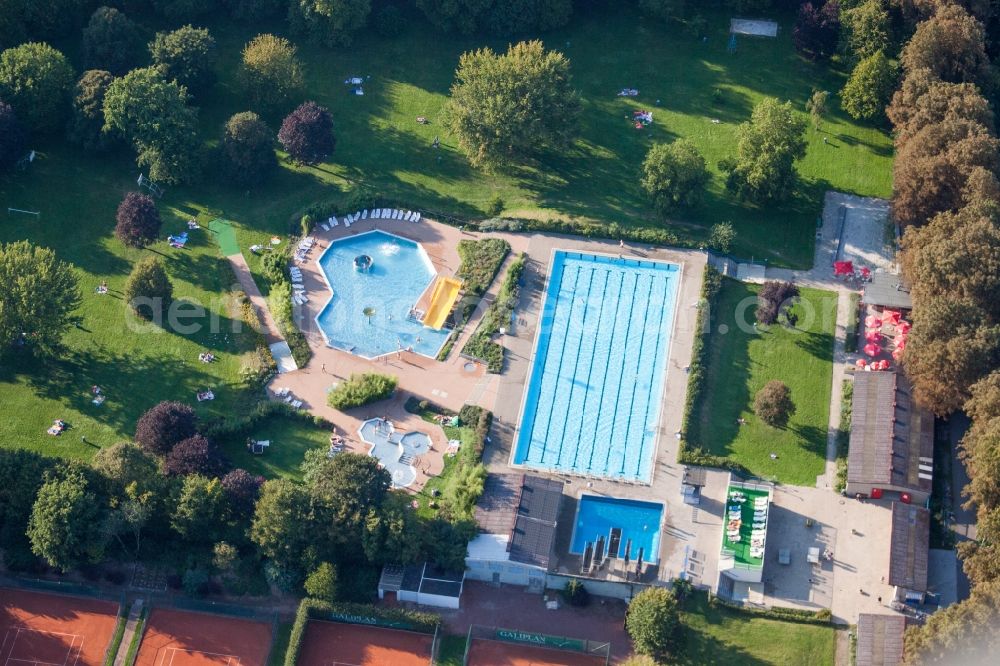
425 584
892 440
880 639
517 516
744 534
887 290
909 541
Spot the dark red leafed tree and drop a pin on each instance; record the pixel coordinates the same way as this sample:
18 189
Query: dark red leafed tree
137 221
307 133
164 425
817 29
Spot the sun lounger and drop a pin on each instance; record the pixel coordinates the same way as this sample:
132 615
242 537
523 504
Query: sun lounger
416 217
281 392
326 227
364 214
357 216
205 395
347 221
296 404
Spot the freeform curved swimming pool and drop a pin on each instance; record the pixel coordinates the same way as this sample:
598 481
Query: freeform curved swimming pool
592 404
369 311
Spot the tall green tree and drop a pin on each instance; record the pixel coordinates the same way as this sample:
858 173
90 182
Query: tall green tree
767 147
38 299
923 99
963 633
63 521
652 621
329 22
254 10
247 155
271 73
184 9
187 55
322 582
864 29
23 473
37 81
148 290
817 106
111 41
867 92
153 114
506 107
202 512
951 44
86 127
283 526
674 175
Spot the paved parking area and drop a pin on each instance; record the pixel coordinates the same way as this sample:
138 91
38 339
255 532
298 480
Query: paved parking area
799 583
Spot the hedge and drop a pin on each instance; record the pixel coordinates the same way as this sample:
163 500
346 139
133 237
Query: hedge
315 609
690 452
613 231
481 259
478 419
851 341
820 617
361 389
239 425
481 345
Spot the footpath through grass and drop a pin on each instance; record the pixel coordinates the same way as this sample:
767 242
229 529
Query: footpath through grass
720 635
742 359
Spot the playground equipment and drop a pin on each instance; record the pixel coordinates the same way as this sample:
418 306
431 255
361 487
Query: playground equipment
443 298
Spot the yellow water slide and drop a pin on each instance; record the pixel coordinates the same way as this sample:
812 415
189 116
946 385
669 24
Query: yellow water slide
443 297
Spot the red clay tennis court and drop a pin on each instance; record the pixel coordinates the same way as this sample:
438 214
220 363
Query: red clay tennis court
181 638
40 629
484 652
339 644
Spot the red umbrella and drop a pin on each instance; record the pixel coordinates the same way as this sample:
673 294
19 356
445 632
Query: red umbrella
873 336
871 321
905 326
843 268
866 272
861 363
872 349
891 317
883 364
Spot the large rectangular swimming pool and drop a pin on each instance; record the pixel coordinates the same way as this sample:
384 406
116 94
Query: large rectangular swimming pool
592 405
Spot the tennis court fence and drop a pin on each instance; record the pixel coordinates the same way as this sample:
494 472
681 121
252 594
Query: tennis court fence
600 649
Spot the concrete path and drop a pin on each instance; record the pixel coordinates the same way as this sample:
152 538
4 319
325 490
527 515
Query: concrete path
130 627
275 341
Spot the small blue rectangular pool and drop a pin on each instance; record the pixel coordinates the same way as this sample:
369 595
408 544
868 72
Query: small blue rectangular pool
592 405
639 523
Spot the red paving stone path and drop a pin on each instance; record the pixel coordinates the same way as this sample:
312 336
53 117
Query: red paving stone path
513 608
55 629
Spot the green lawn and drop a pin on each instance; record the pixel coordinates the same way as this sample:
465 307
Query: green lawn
380 145
290 439
741 360
280 645
725 636
452 651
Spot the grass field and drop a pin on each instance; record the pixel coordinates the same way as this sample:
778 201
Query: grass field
380 145
290 439
721 635
742 359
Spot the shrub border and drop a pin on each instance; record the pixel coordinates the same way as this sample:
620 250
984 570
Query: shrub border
822 617
504 303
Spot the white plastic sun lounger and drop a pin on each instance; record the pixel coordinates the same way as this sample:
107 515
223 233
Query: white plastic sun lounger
357 216
408 216
326 227
395 214
364 214
416 217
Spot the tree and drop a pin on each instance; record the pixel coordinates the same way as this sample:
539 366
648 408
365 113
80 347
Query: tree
247 150
867 92
163 425
981 455
865 29
38 299
329 22
674 175
12 137
271 72
184 9
61 527
767 148
368 312
512 17
816 29
187 55
721 237
148 290
225 556
506 107
773 299
36 80
923 99
86 126
125 464
932 168
137 222
154 115
652 620
953 344
194 455
817 107
322 583
242 488
962 633
23 473
951 44
283 526
639 660
773 404
111 41
307 133
956 254
202 514
461 16
255 10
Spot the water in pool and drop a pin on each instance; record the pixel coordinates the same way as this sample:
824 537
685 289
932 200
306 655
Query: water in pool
400 272
638 521
593 400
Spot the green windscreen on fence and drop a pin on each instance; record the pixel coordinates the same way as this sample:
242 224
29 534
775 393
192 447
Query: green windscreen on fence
226 236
